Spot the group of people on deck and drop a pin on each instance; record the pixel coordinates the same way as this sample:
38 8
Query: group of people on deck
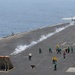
58 51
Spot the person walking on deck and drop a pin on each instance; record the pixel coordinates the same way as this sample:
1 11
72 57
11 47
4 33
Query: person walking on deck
55 65
54 59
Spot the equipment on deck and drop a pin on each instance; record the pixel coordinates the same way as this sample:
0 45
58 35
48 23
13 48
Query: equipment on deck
5 63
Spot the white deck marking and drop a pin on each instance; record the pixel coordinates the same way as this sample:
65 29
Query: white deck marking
41 61
63 43
71 69
68 44
73 44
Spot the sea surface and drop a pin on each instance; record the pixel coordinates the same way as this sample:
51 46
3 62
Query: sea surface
18 16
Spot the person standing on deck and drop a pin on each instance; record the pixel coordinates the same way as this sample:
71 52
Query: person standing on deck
30 56
50 50
40 51
57 46
58 50
71 49
68 50
64 53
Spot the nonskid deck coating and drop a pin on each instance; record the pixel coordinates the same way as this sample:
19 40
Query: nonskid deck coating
43 62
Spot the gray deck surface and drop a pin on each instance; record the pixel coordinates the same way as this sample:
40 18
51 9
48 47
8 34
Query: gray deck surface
43 62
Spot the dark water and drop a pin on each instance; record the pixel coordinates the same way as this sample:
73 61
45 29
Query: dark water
25 15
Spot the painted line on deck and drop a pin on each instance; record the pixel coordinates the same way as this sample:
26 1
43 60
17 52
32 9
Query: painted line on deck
63 43
41 61
71 69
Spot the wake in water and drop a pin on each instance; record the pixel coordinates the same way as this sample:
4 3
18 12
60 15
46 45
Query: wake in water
21 48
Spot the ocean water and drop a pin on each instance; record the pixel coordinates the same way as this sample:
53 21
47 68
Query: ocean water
25 15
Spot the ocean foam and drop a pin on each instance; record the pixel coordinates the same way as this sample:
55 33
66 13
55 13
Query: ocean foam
21 48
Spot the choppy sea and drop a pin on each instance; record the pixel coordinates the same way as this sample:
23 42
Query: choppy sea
25 15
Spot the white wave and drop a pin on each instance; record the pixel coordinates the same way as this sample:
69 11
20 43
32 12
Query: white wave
21 48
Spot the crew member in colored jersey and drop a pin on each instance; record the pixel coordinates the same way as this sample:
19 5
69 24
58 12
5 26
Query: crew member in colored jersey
64 53
54 59
50 50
